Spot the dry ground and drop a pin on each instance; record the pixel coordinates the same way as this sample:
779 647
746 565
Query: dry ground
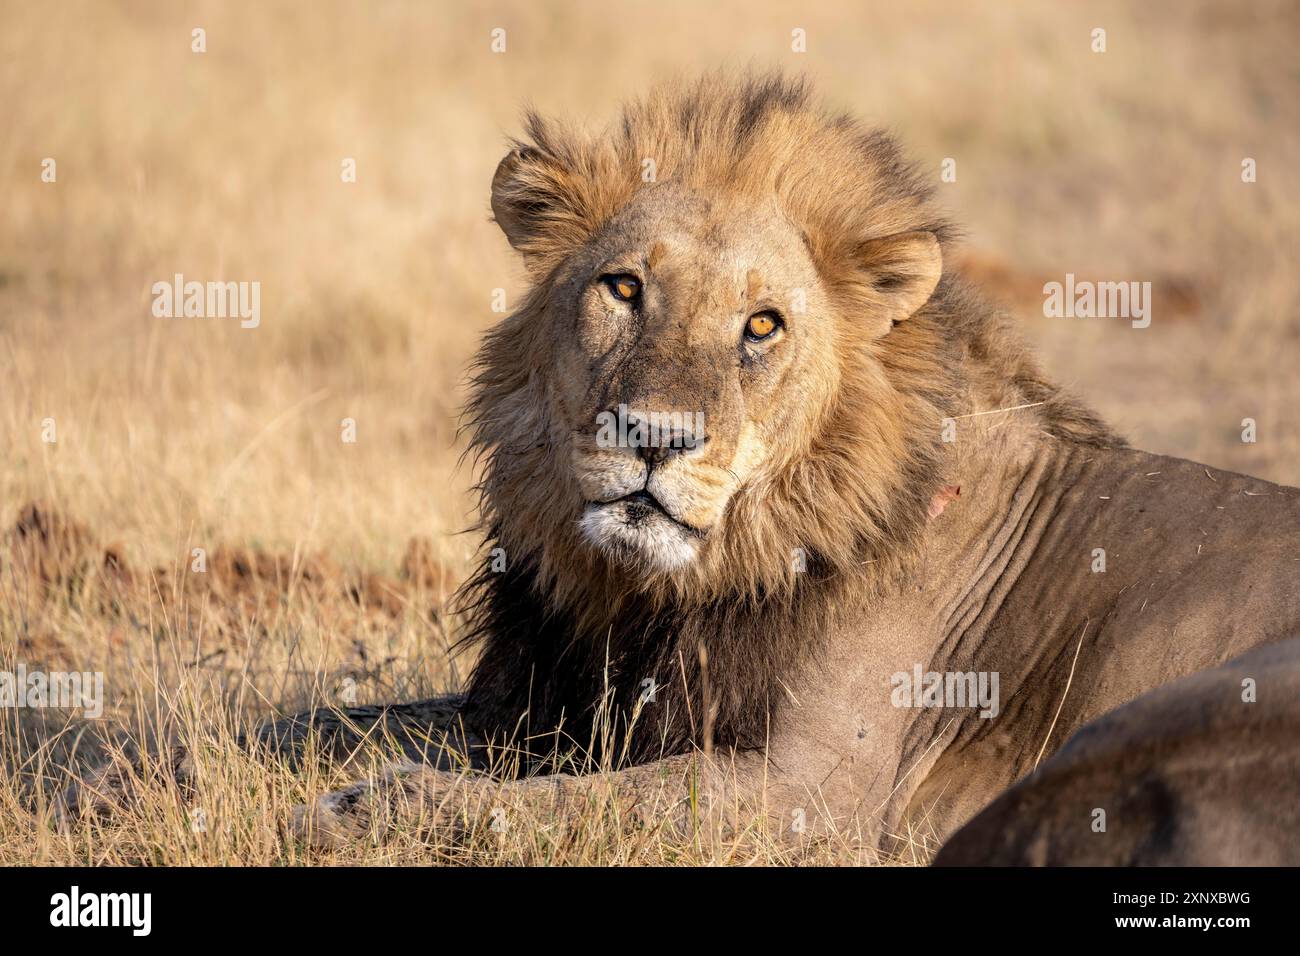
182 434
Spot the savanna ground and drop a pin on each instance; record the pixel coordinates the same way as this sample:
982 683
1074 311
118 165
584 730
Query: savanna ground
329 563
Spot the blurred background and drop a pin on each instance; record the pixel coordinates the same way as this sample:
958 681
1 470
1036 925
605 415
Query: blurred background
1122 165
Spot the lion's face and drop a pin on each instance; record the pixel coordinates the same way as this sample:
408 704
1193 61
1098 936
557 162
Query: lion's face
691 351
708 379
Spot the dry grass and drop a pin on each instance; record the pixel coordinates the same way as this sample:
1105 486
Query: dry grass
176 434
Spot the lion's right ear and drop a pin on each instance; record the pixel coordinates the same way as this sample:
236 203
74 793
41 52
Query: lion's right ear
538 202
512 208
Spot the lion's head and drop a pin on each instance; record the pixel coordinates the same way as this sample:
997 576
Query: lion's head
718 377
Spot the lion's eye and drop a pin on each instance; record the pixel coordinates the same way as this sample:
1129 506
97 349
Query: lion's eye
624 287
762 325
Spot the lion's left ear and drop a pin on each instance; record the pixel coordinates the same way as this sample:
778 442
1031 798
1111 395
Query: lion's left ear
903 271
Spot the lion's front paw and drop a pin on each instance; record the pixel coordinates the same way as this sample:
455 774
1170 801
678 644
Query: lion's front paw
406 794
336 819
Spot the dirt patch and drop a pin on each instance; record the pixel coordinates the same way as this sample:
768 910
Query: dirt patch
48 558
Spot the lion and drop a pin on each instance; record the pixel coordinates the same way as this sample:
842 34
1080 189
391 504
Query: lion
755 460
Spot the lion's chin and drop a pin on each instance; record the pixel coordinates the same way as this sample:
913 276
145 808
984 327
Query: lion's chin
638 537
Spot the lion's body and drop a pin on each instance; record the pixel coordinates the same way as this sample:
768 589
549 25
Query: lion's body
1200 568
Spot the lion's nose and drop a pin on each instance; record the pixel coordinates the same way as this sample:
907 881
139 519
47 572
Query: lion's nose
653 454
655 445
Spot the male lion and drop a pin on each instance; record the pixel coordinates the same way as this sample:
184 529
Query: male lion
884 485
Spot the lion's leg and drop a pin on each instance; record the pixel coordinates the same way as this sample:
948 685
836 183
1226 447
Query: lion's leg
426 731
682 792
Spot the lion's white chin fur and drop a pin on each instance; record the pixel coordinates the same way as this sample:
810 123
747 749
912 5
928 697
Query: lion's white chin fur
637 538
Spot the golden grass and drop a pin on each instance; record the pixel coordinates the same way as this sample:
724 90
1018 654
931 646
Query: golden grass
176 434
